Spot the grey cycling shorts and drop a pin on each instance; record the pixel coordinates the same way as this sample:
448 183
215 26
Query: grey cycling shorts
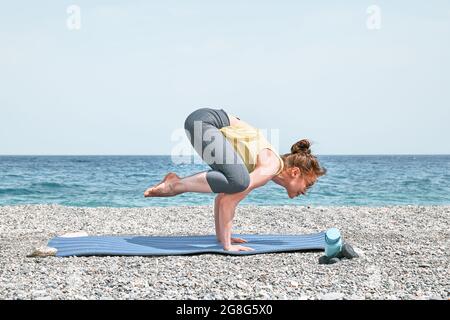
229 173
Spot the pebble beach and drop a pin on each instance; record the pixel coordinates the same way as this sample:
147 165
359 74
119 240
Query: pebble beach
403 254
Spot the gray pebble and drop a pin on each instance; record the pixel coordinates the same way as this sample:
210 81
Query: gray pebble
331 296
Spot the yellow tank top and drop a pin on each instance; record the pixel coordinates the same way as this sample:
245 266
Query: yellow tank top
248 141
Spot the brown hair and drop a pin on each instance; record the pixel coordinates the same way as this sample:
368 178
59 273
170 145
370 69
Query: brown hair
302 158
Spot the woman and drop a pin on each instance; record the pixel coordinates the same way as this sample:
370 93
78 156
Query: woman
241 160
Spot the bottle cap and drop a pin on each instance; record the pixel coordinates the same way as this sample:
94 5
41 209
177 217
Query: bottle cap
332 235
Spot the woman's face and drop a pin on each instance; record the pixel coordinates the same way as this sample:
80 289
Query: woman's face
298 183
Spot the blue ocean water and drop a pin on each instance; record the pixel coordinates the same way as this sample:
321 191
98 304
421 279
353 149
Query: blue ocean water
119 181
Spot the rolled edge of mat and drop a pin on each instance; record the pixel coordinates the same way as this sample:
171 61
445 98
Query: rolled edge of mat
75 234
43 251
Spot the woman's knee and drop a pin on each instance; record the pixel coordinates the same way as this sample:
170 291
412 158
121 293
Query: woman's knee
234 181
196 115
189 123
241 183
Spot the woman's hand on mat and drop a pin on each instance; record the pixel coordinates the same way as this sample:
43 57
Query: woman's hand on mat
237 248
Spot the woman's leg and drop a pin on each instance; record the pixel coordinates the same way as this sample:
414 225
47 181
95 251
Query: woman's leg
229 175
173 185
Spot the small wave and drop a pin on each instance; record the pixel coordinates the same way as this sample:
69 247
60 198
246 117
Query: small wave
80 160
52 185
12 176
138 175
418 182
16 191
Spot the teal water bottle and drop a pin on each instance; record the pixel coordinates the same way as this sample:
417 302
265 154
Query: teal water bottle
333 242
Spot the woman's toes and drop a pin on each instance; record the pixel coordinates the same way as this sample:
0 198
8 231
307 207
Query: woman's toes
148 192
164 188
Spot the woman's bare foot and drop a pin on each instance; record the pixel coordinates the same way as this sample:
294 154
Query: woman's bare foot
166 188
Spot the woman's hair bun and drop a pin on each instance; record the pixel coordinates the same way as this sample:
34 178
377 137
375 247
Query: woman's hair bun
301 146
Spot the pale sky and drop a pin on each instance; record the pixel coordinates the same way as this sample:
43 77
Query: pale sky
125 81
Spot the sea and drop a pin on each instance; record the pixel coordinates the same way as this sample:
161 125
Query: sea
120 181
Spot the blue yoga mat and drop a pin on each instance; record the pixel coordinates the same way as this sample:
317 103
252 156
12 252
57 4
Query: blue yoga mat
180 245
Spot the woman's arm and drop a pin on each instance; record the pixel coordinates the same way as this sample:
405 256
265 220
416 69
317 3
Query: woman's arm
216 214
226 222
227 204
216 220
